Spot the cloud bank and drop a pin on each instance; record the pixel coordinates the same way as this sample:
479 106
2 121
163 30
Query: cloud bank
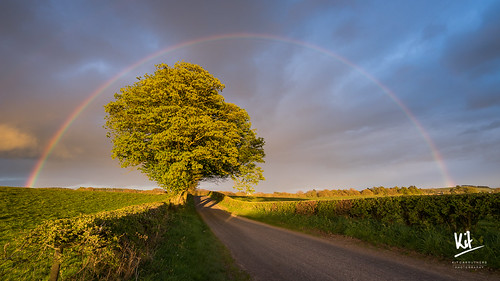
326 125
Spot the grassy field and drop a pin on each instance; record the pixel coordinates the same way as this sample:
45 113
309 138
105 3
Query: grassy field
128 236
22 209
265 199
277 199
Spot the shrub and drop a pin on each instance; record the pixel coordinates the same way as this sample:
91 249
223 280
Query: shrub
108 245
306 208
421 223
457 212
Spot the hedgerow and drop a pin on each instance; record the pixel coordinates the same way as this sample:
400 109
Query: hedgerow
419 223
462 211
107 245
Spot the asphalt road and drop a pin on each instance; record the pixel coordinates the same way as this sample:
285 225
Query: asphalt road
271 253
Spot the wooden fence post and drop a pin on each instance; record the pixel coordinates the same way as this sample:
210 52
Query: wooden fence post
56 264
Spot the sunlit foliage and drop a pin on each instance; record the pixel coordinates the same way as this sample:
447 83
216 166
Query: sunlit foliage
175 127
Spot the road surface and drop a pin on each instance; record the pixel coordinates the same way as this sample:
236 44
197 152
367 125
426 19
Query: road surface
271 253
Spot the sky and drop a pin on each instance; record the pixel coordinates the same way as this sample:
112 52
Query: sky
346 94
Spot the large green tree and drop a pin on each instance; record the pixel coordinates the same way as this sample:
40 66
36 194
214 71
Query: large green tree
175 127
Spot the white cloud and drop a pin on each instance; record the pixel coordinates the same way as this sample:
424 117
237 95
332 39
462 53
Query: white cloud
12 138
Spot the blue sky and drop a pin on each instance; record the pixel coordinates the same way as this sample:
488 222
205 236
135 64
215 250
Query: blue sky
326 124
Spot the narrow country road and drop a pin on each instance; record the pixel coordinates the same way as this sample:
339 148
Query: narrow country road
271 253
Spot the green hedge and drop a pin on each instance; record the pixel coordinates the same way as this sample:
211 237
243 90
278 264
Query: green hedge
458 212
418 223
107 245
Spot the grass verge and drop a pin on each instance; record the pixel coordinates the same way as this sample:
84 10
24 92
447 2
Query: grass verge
435 240
190 251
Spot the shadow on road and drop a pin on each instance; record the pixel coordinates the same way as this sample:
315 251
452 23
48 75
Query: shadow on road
205 202
271 253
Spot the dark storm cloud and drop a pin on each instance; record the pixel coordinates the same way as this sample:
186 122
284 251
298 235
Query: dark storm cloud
433 31
493 125
474 56
476 52
325 124
193 19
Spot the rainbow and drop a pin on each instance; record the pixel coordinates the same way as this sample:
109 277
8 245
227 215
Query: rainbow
64 127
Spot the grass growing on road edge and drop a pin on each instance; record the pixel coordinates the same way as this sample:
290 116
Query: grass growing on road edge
436 240
190 251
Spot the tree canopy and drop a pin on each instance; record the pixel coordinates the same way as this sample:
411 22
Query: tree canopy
175 127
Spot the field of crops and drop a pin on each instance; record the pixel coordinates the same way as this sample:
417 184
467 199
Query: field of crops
426 224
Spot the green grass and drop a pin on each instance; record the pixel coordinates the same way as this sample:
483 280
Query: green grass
22 209
265 199
106 245
435 240
184 249
276 199
190 251
350 197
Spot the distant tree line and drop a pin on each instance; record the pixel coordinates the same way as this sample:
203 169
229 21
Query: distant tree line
127 190
374 191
